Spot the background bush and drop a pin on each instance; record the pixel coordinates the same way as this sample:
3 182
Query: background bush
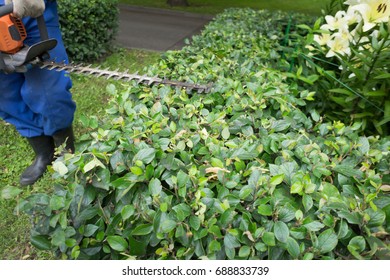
89 27
238 173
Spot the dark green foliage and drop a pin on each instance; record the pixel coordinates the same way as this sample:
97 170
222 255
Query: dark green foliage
239 173
88 27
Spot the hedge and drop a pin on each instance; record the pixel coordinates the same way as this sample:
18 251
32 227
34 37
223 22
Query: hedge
239 173
89 27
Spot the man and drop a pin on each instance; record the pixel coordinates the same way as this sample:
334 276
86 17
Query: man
38 103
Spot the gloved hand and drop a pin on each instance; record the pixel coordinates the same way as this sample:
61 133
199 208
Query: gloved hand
25 8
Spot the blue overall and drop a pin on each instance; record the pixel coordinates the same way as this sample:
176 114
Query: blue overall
38 102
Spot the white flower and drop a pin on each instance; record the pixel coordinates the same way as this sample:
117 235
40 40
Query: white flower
338 21
344 34
373 12
338 46
322 39
353 16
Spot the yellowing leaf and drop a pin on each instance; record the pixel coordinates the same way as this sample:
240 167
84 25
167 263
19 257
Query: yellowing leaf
385 188
215 170
60 168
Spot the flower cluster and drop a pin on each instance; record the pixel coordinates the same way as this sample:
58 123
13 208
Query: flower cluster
353 26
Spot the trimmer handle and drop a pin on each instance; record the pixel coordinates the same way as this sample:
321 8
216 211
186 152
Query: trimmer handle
8 9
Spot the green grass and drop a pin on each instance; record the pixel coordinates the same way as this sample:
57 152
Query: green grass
216 6
91 98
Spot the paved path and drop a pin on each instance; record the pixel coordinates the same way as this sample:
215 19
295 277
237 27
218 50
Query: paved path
157 29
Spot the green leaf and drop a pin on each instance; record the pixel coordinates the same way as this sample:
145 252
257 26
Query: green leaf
118 243
137 248
230 253
164 207
41 242
297 188
377 218
195 222
348 171
352 218
269 238
58 238
136 170
276 180
182 179
383 76
225 133
244 251
144 229
299 215
286 213
357 243
101 179
92 164
364 145
227 217
145 155
308 256
314 226
214 246
215 162
293 247
245 192
216 231
280 125
90 229
75 252
127 211
231 241
261 247
265 210
307 202
87 214
155 187
314 115
281 231
182 211
168 225
57 202
327 241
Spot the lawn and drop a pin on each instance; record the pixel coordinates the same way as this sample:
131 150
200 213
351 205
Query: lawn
90 96
216 6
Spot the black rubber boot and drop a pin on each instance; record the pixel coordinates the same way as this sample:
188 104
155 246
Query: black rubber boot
65 135
43 147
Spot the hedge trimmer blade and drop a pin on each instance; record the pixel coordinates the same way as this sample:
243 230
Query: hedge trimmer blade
125 76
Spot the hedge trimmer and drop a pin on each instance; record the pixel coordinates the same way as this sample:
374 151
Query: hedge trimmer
15 56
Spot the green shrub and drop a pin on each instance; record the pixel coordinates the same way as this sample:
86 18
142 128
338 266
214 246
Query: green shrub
239 173
89 27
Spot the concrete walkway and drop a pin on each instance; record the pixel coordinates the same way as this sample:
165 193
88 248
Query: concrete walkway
157 29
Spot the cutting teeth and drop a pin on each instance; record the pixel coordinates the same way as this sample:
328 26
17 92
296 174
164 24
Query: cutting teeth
108 74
